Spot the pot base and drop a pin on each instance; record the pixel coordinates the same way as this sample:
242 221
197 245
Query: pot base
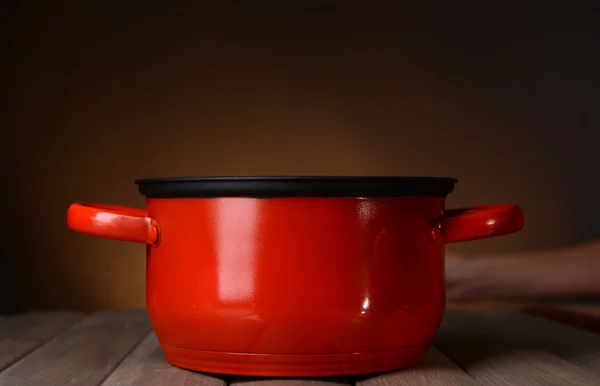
276 365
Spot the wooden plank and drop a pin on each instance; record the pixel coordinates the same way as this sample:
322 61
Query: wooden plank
147 365
82 355
492 355
436 370
22 333
580 347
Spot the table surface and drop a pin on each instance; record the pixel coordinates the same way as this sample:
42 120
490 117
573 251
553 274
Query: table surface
488 347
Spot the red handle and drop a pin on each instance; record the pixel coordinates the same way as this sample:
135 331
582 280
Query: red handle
480 222
113 222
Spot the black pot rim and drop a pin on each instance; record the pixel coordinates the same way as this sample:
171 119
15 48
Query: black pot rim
295 186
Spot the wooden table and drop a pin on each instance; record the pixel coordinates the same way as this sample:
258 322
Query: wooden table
490 347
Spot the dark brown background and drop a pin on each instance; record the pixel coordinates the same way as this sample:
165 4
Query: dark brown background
505 99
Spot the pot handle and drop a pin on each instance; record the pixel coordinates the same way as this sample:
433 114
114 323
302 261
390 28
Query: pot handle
478 222
113 222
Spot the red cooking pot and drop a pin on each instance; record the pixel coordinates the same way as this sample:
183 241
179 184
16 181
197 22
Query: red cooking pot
295 276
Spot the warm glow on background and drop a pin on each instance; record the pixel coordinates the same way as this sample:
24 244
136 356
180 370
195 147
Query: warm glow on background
97 101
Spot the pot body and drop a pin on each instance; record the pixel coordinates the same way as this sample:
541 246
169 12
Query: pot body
295 286
295 276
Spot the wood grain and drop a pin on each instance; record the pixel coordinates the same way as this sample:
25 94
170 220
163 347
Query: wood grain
489 347
580 347
436 370
82 355
147 365
23 333
492 355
